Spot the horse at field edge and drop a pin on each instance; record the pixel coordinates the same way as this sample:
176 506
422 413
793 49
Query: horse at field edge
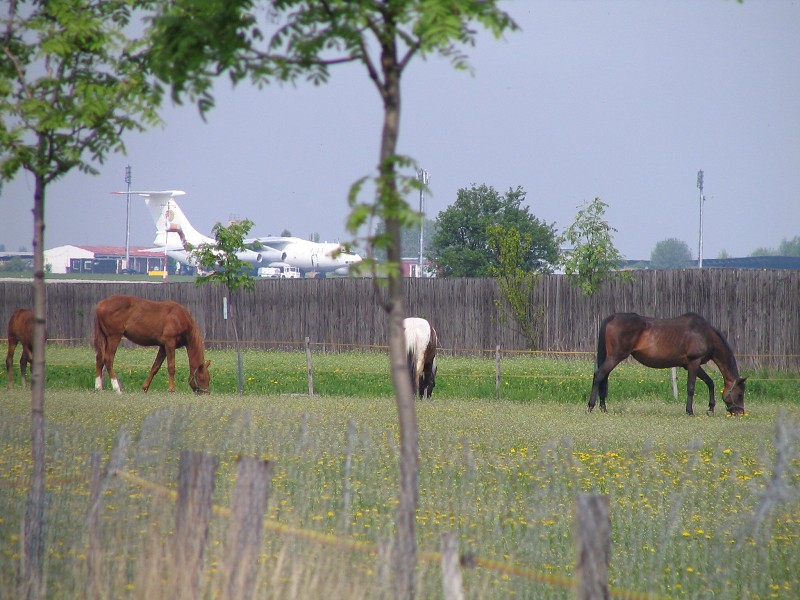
20 331
688 341
168 325
421 342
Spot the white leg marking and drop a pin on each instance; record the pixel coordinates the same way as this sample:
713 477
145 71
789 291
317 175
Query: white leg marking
98 383
115 385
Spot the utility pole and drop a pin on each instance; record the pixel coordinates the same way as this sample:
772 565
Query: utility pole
423 177
702 200
128 220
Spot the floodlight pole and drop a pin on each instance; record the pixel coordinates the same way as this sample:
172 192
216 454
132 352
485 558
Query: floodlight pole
702 199
128 220
423 177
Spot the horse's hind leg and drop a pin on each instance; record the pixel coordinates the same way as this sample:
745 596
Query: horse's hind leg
99 364
160 356
108 361
600 384
24 360
694 370
12 345
712 402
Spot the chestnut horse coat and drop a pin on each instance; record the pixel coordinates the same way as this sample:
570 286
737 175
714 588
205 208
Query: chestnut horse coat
168 325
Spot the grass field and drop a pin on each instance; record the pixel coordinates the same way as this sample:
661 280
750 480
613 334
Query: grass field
700 507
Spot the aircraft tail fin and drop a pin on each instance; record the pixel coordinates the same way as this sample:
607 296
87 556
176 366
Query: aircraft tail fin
169 219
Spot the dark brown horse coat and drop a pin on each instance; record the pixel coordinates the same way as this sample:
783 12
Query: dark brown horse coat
20 331
167 325
688 341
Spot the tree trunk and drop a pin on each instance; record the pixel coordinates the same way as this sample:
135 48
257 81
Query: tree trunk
34 511
405 558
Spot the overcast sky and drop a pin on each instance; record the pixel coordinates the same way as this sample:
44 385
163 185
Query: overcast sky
625 100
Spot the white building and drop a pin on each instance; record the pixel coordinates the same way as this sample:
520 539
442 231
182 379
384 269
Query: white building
101 259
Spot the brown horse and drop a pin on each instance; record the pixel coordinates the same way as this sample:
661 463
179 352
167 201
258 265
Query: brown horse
20 331
687 341
421 344
167 325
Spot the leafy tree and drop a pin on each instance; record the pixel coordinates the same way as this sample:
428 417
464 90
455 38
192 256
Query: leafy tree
671 253
224 267
70 87
460 246
790 247
409 239
193 41
511 250
593 259
762 251
15 265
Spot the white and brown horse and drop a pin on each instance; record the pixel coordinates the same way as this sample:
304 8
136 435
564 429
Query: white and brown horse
421 342
167 325
20 331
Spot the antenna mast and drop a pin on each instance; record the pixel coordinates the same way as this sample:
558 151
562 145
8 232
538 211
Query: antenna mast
128 220
423 177
702 200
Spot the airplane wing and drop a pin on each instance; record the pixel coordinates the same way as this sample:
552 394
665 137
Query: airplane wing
277 243
161 194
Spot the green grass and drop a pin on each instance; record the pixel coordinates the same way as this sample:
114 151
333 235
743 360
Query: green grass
503 474
524 377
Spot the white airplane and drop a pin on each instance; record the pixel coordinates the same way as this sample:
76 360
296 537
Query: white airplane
174 231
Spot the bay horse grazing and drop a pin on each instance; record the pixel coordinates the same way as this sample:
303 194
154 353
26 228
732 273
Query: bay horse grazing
20 331
687 341
167 325
421 344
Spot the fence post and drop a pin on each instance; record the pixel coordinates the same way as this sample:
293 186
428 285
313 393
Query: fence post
94 558
383 570
245 530
451 569
344 518
497 370
675 382
309 368
192 515
593 536
97 485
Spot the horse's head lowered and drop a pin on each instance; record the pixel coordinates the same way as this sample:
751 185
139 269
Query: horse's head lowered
200 378
733 396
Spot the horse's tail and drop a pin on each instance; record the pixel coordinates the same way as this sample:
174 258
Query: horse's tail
601 342
100 340
602 386
411 357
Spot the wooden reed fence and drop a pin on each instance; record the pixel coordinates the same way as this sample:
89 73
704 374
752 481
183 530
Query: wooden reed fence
757 310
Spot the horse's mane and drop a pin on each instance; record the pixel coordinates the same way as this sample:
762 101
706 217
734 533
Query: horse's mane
194 339
728 349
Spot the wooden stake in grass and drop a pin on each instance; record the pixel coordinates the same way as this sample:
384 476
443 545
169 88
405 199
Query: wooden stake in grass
593 537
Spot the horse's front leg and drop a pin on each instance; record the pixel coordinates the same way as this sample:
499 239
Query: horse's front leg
171 367
712 402
162 353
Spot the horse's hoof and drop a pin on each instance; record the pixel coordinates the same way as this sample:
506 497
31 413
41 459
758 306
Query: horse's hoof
710 412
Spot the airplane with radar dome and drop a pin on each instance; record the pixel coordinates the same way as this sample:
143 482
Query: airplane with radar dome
174 232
